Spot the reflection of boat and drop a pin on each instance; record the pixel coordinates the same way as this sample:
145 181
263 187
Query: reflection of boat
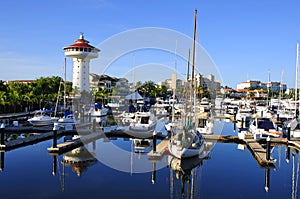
79 159
42 118
141 145
186 171
263 127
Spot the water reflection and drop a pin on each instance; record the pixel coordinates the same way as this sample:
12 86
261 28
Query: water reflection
79 159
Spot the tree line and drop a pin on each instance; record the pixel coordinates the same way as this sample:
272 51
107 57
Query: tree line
17 96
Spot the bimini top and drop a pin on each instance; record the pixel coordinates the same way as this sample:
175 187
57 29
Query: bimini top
81 43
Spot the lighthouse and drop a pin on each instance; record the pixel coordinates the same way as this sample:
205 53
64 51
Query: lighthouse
81 52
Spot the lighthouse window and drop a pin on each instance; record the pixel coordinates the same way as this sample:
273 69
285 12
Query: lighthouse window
85 49
89 50
76 49
81 49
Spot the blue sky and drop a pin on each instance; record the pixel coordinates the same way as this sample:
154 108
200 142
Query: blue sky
244 39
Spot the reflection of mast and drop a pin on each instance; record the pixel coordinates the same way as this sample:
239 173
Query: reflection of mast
267 179
153 179
171 183
295 175
54 165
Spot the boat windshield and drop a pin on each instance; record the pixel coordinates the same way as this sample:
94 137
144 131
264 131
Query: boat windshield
266 125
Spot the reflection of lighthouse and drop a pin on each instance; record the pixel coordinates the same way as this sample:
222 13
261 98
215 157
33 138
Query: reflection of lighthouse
81 52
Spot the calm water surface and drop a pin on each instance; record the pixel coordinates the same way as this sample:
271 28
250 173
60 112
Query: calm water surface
227 172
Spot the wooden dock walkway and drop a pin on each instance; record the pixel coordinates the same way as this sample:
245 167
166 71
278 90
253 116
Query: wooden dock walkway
256 149
259 153
69 145
160 150
13 144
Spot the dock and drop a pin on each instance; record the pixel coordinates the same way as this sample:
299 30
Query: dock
69 145
259 153
160 150
13 144
256 149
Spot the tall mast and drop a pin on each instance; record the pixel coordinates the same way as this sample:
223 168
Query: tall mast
297 77
174 83
194 48
65 78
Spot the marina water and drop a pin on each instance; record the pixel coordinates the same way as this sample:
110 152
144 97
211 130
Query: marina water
227 172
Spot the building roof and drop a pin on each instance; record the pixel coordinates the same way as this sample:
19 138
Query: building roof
82 43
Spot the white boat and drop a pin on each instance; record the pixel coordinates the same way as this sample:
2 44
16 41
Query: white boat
69 119
263 127
98 110
186 144
205 125
143 121
244 114
295 128
204 105
42 118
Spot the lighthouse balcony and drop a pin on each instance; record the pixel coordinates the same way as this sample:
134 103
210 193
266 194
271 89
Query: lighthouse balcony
78 54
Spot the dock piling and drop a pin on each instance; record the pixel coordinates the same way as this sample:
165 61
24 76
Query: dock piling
94 125
154 141
55 129
2 133
2 161
288 135
268 148
90 117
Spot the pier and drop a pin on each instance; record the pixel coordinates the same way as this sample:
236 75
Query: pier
260 153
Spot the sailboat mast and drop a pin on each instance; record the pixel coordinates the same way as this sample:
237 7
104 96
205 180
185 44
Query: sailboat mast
194 48
65 78
174 83
297 77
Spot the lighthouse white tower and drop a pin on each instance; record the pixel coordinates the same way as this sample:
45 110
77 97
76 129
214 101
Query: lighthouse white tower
81 52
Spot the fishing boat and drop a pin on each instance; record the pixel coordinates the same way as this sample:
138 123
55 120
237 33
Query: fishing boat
42 118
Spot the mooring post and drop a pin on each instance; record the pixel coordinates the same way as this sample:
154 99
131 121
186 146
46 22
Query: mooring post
154 141
90 117
2 133
55 129
82 111
94 145
94 125
268 148
288 134
2 161
242 122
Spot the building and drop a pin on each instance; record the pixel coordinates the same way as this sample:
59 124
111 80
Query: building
208 83
81 52
272 86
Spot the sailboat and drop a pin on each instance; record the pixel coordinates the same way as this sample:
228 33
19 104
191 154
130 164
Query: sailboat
68 118
187 142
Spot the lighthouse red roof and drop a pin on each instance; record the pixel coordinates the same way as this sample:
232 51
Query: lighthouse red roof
82 43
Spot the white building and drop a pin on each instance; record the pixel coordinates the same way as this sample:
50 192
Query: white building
81 52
